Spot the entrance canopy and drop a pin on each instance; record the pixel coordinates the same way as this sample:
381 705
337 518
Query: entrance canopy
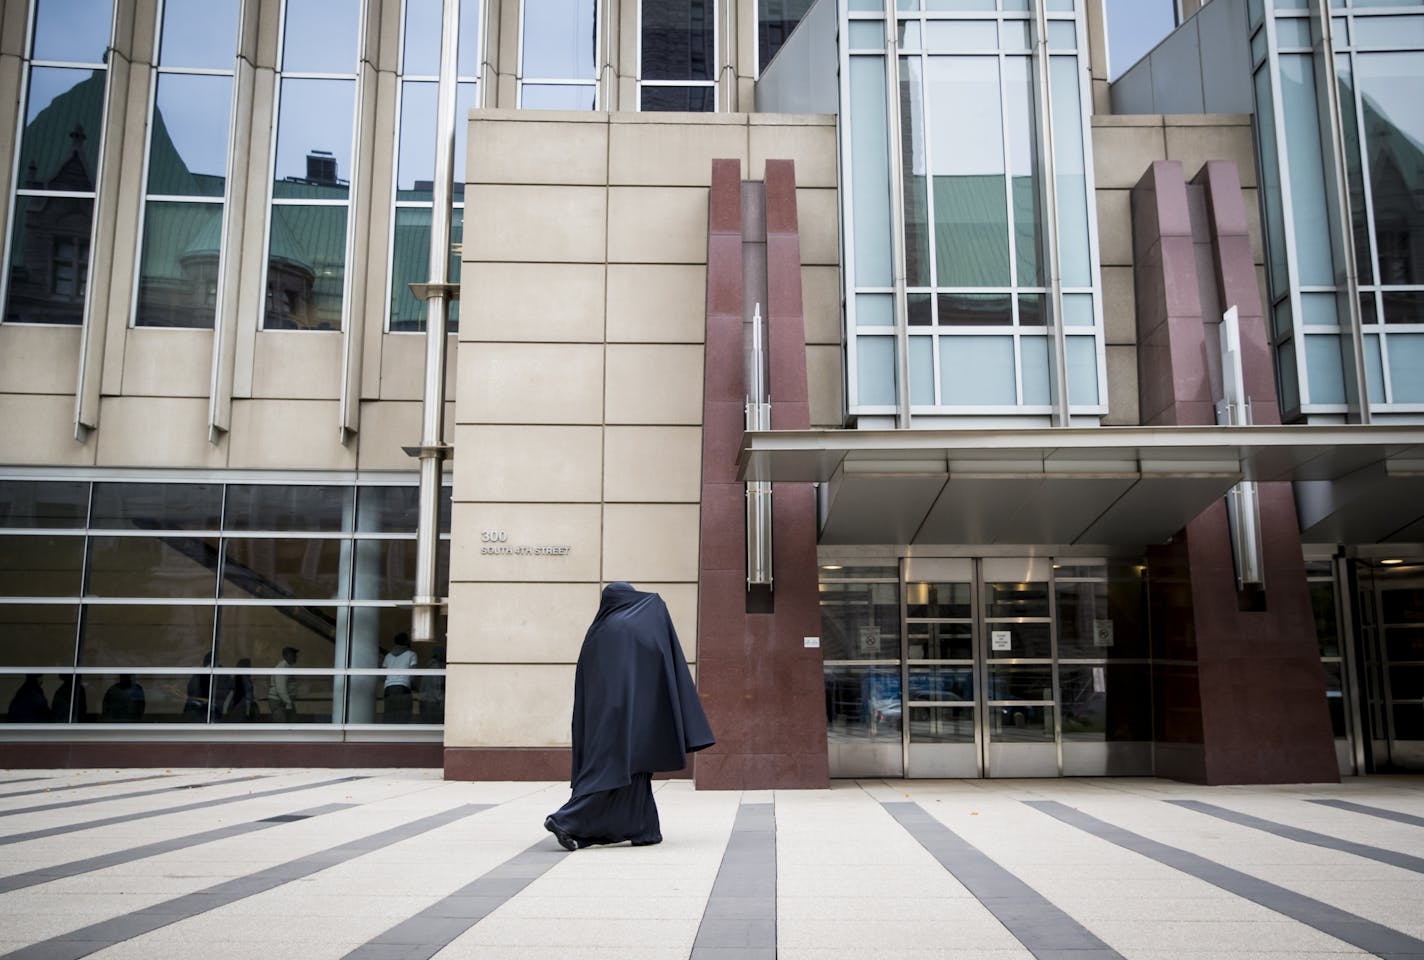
1094 485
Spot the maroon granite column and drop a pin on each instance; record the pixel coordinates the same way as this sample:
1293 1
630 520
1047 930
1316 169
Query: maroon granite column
1239 690
761 687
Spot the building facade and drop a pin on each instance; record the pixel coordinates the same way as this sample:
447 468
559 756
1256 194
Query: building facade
887 344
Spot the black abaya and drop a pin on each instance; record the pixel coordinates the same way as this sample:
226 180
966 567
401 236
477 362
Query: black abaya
636 712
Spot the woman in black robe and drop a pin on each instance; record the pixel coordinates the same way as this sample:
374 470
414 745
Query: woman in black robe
636 712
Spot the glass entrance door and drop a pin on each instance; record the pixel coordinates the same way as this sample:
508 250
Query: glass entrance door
979 669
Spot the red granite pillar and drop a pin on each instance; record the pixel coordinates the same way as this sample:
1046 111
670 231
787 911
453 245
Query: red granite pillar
760 685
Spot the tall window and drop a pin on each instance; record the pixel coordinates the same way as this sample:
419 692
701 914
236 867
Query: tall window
979 306
775 21
558 54
311 188
190 117
415 155
52 214
677 55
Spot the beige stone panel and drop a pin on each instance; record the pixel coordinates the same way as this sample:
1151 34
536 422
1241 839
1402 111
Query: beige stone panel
1195 145
657 302
270 22
1119 305
1123 408
13 24
520 622
652 464
818 219
158 432
508 705
39 430
824 385
38 359
821 304
515 151
478 554
536 302
654 384
665 154
293 365
654 542
538 223
530 383
167 363
288 435
811 144
1122 152
402 367
523 463
681 600
1115 227
657 225
387 426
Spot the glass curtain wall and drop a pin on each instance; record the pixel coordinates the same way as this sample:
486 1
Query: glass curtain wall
558 54
57 171
1330 281
190 117
775 21
978 115
206 602
312 165
415 155
677 55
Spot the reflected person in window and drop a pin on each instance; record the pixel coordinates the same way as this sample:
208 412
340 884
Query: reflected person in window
29 704
398 692
282 691
432 690
124 701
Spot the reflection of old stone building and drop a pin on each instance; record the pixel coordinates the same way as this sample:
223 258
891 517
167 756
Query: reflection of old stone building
1017 523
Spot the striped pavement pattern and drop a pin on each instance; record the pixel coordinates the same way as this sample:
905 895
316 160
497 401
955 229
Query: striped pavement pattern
400 865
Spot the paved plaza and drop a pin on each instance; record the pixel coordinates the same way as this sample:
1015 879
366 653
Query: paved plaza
178 864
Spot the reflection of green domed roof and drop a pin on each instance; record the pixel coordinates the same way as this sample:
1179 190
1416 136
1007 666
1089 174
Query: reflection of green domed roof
49 140
207 241
175 232
284 245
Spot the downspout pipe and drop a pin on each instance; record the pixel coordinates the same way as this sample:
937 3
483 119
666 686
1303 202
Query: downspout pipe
437 294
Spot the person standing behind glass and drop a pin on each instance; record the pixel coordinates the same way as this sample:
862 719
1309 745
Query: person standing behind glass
432 690
397 692
29 704
240 706
68 691
124 701
282 690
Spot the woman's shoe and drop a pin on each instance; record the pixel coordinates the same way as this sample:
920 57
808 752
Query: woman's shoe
565 841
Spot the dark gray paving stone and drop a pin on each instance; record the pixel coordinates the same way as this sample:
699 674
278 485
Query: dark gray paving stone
1369 811
740 914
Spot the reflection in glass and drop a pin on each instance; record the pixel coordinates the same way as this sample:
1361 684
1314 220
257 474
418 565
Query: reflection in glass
314 139
1307 177
863 703
410 263
43 503
914 165
560 39
1271 185
306 267
320 36
49 259
40 566
188 143
38 634
678 39
940 641
1020 682
1021 724
974 309
202 35
257 634
139 698
555 96
1015 599
1022 132
941 724
938 600
1391 87
775 21
1403 306
1069 171
1349 128
870 173
967 155
281 569
133 635
1335 699
275 507
72 30
59 146
178 273
157 506
942 683
860 621
387 509
1106 701
678 99
311 696
152 567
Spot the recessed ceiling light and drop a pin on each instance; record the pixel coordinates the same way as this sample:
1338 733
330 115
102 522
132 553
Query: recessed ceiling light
832 566
1390 563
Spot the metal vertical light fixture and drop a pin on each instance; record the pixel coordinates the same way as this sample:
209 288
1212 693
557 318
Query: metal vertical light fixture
1243 508
437 294
758 417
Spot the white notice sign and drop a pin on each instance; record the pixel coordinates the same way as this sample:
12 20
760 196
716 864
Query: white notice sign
811 642
1100 682
1002 639
1102 633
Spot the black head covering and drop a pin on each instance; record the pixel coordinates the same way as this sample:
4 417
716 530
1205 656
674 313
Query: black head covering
635 708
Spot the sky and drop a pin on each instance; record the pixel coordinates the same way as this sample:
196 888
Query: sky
1134 28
